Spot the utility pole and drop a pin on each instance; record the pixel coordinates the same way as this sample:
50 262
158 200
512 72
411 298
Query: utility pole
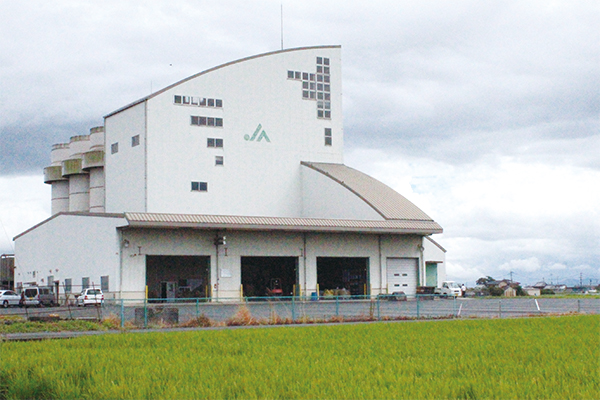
511 279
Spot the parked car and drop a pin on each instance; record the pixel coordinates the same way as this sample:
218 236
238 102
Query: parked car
9 298
449 289
39 295
90 296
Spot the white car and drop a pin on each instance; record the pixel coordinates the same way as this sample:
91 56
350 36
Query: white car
9 298
90 296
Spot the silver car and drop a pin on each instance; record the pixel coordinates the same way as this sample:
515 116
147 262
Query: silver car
90 296
9 298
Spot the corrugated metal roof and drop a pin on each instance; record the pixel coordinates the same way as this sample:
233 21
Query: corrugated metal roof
199 221
385 200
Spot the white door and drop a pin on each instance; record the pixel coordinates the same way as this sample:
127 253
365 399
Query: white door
402 275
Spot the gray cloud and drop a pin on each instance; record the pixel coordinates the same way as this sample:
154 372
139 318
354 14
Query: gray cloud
433 93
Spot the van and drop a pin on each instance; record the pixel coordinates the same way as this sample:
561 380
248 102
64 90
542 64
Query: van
38 295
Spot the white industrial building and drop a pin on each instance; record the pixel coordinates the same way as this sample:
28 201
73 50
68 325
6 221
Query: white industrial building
226 184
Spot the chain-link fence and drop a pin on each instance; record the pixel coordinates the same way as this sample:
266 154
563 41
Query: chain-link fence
290 310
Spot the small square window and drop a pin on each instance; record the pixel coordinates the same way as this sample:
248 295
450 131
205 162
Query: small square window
327 105
218 121
305 94
319 69
297 75
202 121
135 140
326 61
319 86
305 76
200 186
328 141
186 99
326 78
218 160
319 78
195 101
290 74
177 100
328 114
319 95
326 70
313 86
304 84
312 77
210 121
219 143
210 142
327 88
319 104
114 148
211 102
203 102
218 103
319 113
195 120
319 60
313 95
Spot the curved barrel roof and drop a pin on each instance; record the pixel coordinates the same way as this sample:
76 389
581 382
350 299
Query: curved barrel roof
390 204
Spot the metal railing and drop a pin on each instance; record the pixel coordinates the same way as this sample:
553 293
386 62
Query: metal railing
296 310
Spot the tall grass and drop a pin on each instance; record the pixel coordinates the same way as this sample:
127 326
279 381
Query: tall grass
540 358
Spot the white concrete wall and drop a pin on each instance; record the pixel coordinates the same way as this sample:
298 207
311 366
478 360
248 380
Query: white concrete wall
322 197
433 253
184 242
257 178
125 171
70 246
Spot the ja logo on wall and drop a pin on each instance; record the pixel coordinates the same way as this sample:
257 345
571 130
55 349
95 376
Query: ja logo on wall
262 135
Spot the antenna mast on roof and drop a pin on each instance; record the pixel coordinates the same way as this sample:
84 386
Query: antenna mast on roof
281 26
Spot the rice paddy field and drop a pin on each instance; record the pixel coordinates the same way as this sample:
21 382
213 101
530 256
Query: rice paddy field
533 358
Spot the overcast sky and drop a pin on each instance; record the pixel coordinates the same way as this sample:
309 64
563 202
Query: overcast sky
483 113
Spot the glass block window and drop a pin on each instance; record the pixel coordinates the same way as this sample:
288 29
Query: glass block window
316 86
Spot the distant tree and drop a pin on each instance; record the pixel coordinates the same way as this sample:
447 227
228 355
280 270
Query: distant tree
495 291
485 280
520 291
547 291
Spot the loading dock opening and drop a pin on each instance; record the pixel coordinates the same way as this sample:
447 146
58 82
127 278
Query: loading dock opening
178 277
350 273
269 276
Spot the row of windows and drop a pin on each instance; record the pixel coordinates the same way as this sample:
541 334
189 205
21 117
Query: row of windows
197 101
135 141
322 75
206 121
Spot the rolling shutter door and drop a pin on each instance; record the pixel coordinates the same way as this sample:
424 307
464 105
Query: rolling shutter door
402 275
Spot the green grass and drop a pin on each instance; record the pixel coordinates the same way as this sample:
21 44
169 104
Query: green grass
537 358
